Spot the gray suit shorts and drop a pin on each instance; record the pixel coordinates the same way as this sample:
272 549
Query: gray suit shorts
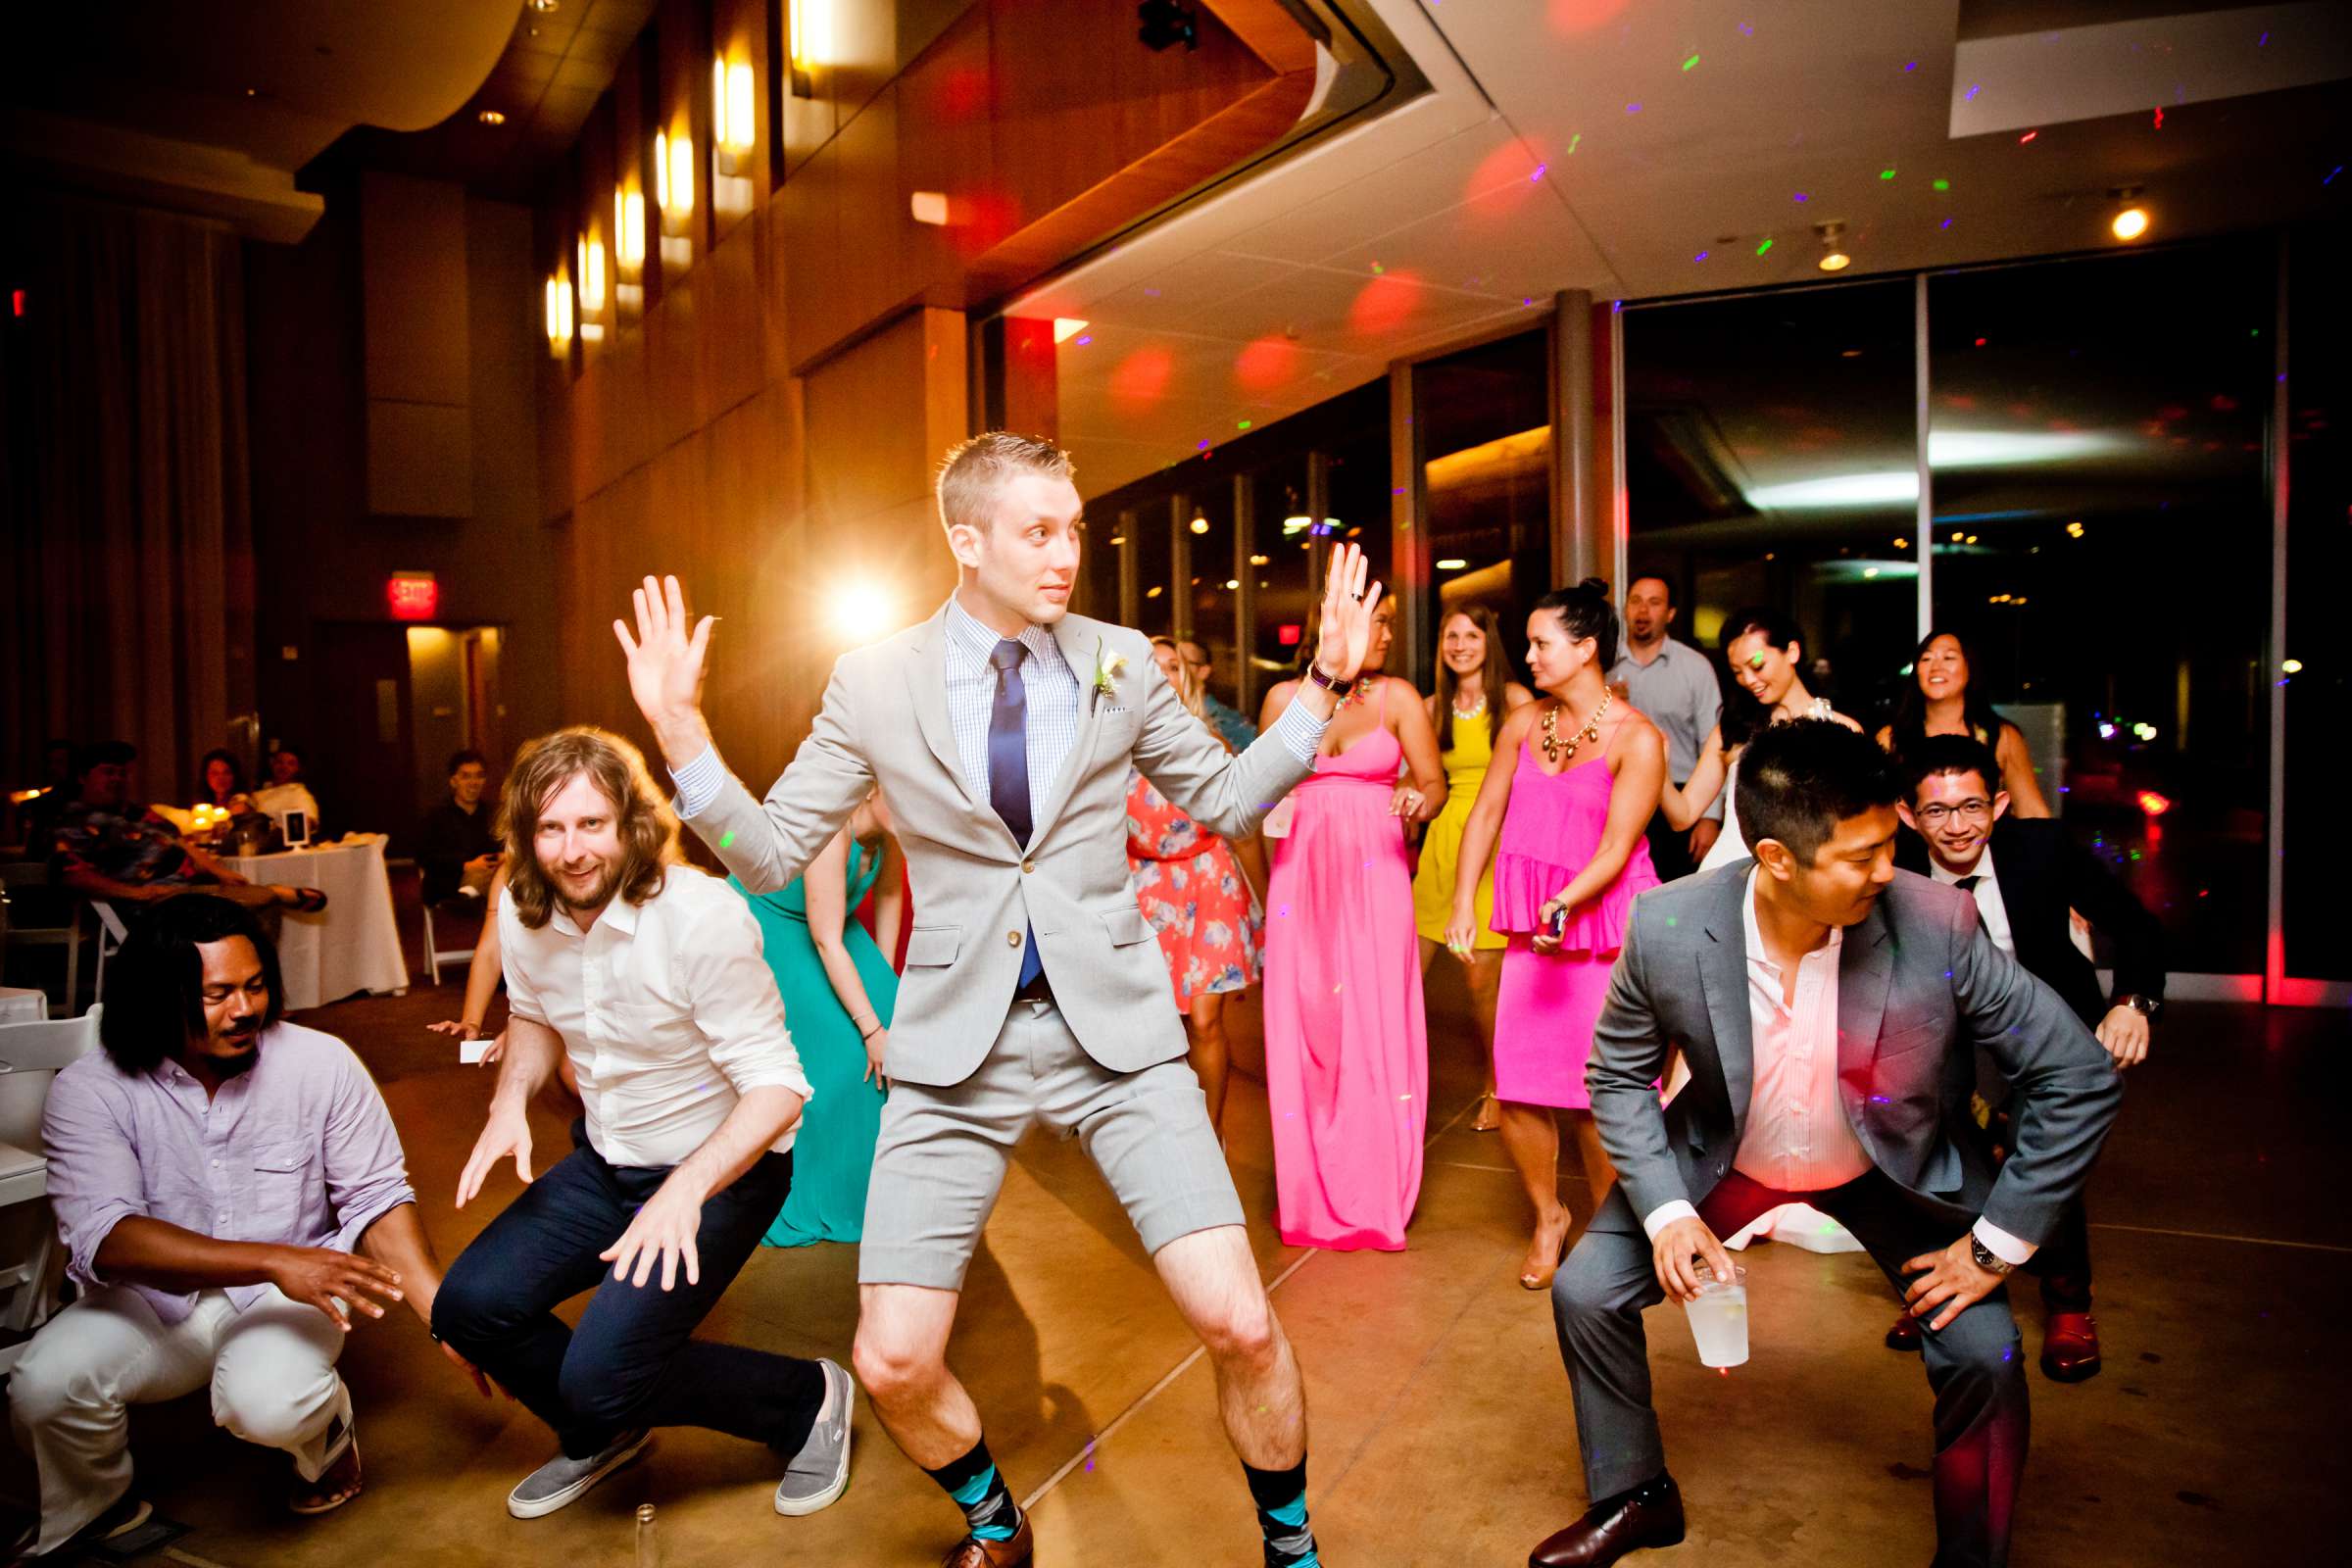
942 1153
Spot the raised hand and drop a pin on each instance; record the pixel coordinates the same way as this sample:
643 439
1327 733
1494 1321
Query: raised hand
1344 636
666 663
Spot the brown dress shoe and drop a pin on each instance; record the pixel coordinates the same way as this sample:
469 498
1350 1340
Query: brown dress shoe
1904 1336
973 1552
2070 1347
1612 1529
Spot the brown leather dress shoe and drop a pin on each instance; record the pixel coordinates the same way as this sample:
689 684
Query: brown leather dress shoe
1610 1529
2070 1347
973 1552
1904 1336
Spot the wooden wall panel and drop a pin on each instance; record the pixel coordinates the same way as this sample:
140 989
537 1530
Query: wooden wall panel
868 436
729 301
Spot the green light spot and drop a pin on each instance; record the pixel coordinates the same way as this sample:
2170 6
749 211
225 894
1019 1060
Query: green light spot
1378 270
1885 174
1671 920
1761 249
1943 184
1692 61
1243 426
726 841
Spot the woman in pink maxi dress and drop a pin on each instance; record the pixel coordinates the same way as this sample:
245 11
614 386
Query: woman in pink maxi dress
1346 1049
1563 809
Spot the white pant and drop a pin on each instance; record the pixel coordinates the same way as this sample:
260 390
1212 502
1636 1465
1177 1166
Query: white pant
272 1368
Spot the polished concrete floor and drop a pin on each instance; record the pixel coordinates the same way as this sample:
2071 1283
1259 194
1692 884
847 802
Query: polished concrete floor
1441 1428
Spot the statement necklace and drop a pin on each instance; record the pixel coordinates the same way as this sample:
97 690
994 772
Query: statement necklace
1555 750
1475 710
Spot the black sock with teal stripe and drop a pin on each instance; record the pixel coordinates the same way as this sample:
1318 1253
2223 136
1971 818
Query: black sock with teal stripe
1281 1498
980 1491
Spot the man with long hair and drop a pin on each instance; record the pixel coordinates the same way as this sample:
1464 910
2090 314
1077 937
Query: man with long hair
1002 731
647 974
233 1200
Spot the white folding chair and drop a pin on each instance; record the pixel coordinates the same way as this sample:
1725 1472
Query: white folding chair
110 935
32 1054
28 882
435 956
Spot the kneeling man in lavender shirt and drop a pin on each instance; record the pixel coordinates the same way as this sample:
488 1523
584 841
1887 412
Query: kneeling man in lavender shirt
233 1200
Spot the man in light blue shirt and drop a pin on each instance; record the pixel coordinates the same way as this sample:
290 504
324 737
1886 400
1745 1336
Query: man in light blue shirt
1003 732
1673 686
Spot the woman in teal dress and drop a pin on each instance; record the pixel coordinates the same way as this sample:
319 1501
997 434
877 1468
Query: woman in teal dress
838 988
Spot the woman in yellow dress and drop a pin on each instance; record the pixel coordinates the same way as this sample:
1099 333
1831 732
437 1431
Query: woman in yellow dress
1475 691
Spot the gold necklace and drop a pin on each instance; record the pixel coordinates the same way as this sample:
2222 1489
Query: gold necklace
1556 751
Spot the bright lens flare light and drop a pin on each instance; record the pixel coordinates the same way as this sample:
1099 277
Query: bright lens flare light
2153 803
1066 327
861 613
2131 223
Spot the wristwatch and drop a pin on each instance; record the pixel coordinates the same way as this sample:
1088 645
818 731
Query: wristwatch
2146 1007
1336 688
1986 1258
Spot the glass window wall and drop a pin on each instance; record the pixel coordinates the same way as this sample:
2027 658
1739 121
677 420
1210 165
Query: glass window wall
1484 416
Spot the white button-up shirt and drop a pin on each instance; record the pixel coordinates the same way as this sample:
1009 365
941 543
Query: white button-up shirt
1797 1137
1991 910
666 1008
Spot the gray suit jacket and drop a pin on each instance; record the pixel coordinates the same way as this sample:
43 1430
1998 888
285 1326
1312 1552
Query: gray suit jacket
884 721
1920 988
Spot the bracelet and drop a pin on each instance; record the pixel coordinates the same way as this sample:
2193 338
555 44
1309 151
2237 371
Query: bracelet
1336 688
864 1035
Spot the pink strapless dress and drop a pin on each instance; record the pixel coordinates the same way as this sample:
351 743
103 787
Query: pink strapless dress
1544 1012
1347 1047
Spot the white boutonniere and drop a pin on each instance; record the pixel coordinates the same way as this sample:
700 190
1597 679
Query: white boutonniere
1108 665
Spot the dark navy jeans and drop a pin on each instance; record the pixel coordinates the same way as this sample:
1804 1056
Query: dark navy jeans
632 1362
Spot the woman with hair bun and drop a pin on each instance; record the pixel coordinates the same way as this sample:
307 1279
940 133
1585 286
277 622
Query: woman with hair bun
1564 812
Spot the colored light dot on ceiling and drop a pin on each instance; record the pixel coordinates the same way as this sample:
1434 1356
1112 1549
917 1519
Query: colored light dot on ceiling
1908 69
1530 300
1378 270
1573 140
1701 255
1084 341
1885 174
1242 424
2027 137
1690 62
1539 173
1943 184
1974 88
1633 108
1200 446
1797 196
1761 249
1946 224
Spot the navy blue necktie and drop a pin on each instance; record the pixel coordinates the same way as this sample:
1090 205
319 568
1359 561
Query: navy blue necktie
1008 767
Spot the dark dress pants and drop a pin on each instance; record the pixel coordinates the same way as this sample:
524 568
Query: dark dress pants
1669 851
1974 1363
632 1361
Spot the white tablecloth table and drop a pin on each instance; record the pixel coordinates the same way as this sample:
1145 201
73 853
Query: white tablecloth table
19 1006
351 944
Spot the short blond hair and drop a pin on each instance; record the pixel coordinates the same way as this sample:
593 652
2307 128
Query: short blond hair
974 471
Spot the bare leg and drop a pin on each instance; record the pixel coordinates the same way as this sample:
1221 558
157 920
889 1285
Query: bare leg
1212 1279
1533 1139
1485 987
900 1357
1204 1027
1599 1174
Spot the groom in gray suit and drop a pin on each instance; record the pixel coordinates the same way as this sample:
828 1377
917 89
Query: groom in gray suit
1002 733
1829 1008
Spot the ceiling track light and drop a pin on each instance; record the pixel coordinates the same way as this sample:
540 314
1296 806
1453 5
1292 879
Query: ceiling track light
2130 220
1833 247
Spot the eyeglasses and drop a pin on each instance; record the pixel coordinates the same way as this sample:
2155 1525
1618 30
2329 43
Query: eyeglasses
1936 816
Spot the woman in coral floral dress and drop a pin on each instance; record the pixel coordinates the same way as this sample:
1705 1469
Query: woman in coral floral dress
1193 892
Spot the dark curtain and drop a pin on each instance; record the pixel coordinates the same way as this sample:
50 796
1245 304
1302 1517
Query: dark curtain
130 559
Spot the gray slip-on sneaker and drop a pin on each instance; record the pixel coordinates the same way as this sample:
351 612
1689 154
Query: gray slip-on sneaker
820 1472
562 1480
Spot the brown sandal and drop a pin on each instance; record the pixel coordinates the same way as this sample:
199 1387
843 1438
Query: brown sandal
310 1504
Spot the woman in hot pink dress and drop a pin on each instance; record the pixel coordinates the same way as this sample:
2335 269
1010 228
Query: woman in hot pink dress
1347 1051
1569 795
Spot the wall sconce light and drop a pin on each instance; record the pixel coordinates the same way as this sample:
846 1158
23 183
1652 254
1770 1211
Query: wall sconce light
810 28
674 180
628 224
591 275
559 316
2130 220
734 115
928 207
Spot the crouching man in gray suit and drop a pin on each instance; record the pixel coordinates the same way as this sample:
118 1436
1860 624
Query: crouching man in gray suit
1003 732
1829 1007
